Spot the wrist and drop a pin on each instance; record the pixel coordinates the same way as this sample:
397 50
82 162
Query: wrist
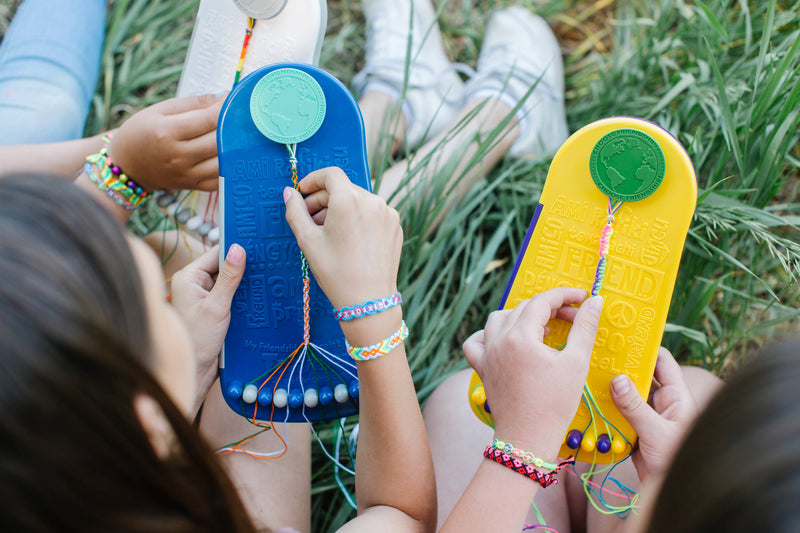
368 330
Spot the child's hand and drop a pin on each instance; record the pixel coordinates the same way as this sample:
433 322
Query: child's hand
350 237
534 390
171 144
202 295
661 427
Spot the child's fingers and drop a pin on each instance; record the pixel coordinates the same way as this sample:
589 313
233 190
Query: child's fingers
473 348
298 217
645 421
332 179
672 400
174 106
544 306
199 148
228 279
317 201
583 332
194 123
320 216
208 262
205 173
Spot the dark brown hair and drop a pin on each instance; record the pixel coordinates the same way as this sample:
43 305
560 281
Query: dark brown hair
739 467
74 354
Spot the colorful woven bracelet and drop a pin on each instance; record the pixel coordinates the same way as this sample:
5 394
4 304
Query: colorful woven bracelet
371 307
542 478
110 179
525 457
381 348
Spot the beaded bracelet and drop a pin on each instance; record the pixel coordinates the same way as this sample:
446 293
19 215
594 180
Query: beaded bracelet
545 479
369 308
525 457
110 179
380 348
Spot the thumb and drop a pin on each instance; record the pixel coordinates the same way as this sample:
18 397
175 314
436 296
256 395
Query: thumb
297 216
583 332
632 406
229 277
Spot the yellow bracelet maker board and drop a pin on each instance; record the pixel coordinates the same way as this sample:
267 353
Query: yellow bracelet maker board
561 249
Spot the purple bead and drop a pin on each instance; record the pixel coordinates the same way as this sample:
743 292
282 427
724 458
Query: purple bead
486 407
574 438
603 443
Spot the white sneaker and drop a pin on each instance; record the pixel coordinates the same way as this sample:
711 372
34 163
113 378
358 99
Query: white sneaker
284 31
519 52
434 94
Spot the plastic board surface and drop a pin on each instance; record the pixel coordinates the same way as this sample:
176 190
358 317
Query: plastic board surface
561 249
267 311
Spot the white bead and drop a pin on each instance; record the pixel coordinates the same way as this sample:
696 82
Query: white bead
250 394
194 222
340 393
213 235
280 398
172 209
311 398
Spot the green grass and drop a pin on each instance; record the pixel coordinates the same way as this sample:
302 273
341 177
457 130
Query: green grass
721 76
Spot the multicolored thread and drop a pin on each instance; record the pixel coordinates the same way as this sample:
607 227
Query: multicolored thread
378 305
251 23
365 353
605 238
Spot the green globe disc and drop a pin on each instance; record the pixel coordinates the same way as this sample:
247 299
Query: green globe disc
627 165
287 106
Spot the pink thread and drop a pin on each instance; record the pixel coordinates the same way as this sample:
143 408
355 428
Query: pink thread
605 240
306 317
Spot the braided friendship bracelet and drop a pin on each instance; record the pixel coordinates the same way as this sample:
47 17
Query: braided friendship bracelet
380 348
110 179
545 479
526 457
378 305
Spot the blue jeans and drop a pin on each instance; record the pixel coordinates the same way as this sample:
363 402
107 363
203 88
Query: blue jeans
49 66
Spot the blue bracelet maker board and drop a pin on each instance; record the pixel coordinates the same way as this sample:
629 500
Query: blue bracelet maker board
267 311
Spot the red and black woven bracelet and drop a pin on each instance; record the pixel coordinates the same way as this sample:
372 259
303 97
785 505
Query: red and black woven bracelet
545 479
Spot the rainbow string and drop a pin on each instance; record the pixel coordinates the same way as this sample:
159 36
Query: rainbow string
251 23
303 263
605 239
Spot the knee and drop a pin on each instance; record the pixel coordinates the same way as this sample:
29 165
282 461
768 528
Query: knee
702 384
38 113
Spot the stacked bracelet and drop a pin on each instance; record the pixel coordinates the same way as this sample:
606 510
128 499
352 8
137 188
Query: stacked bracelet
525 457
110 179
371 307
381 348
545 479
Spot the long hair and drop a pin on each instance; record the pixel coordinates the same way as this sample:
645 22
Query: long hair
75 351
739 467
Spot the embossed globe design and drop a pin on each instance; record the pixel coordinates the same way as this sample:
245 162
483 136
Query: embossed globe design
287 106
627 165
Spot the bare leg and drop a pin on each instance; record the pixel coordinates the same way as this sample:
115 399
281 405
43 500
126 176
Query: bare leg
455 147
385 126
176 250
276 493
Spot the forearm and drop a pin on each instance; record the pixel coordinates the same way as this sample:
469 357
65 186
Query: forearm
393 465
509 496
63 159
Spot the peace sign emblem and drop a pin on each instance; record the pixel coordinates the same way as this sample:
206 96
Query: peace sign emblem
621 315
